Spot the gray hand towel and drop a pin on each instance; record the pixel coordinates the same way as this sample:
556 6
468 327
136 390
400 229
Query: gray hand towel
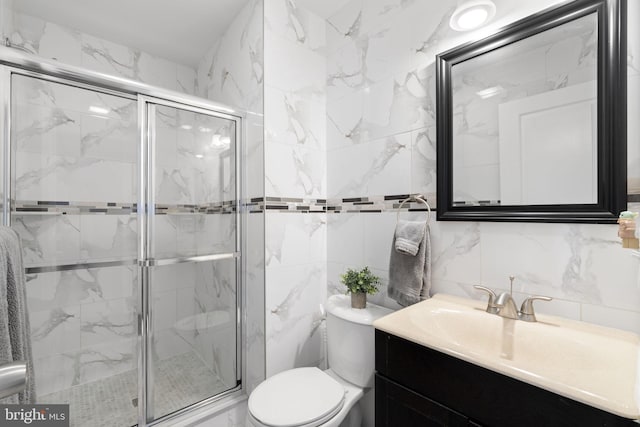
15 333
409 234
410 276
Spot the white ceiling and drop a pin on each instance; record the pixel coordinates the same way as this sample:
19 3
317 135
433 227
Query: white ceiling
179 30
322 8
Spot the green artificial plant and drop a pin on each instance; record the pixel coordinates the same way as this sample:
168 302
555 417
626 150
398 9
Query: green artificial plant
362 281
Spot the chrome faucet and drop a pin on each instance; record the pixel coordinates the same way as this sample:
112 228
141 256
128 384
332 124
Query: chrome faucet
526 311
507 306
504 305
491 304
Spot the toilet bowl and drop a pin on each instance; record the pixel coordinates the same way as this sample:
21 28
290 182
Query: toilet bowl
310 397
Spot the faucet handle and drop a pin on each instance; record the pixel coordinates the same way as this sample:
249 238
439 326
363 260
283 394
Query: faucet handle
491 305
526 310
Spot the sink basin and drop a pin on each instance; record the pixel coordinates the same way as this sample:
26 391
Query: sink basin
585 362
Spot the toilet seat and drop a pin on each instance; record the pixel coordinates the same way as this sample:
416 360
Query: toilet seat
303 397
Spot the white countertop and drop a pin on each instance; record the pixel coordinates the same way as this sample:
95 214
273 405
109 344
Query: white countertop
592 364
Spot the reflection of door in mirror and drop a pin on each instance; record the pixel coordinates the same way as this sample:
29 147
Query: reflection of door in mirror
548 147
525 120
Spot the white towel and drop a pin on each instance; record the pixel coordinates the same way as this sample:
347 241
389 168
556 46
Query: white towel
15 333
410 276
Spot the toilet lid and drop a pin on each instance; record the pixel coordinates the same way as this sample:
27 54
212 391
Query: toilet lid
296 397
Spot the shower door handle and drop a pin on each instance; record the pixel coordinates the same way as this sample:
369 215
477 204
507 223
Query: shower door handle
13 378
152 262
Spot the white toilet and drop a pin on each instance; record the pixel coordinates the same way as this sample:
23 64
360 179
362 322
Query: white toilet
309 397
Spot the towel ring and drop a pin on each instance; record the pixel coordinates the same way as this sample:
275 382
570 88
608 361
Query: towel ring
416 198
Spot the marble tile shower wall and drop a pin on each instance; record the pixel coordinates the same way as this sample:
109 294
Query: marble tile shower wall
295 170
194 303
195 312
381 141
82 320
53 41
232 72
82 167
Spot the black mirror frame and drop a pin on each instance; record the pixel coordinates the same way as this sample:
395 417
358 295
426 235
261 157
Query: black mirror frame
611 110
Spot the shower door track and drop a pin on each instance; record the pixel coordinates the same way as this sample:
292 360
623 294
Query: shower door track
119 86
26 64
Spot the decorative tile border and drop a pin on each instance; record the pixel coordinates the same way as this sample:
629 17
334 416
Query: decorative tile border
224 207
50 207
371 204
377 204
56 207
286 204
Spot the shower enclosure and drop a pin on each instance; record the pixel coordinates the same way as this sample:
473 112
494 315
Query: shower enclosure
126 200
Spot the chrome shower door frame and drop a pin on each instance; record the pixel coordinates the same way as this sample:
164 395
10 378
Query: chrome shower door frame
146 211
19 63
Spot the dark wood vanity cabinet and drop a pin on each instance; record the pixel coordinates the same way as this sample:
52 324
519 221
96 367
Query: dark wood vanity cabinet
418 386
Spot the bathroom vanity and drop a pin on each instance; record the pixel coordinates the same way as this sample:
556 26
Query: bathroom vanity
446 362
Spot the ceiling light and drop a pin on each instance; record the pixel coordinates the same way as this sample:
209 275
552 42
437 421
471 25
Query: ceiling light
186 127
490 91
98 110
472 14
220 141
200 156
204 129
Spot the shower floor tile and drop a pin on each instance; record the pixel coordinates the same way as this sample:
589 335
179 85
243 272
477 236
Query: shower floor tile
112 402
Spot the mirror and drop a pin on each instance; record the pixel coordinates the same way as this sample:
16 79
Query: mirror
532 119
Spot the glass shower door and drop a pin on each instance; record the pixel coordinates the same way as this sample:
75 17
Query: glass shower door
73 196
190 256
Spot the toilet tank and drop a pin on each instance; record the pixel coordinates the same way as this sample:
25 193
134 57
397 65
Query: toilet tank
350 339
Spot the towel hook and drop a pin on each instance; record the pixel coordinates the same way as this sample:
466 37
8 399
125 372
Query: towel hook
417 198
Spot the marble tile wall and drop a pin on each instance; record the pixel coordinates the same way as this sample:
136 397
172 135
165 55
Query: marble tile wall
53 41
195 303
296 278
381 141
61 146
232 72
82 325
83 321
295 168
195 312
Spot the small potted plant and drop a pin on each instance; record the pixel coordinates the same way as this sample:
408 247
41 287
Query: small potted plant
359 284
